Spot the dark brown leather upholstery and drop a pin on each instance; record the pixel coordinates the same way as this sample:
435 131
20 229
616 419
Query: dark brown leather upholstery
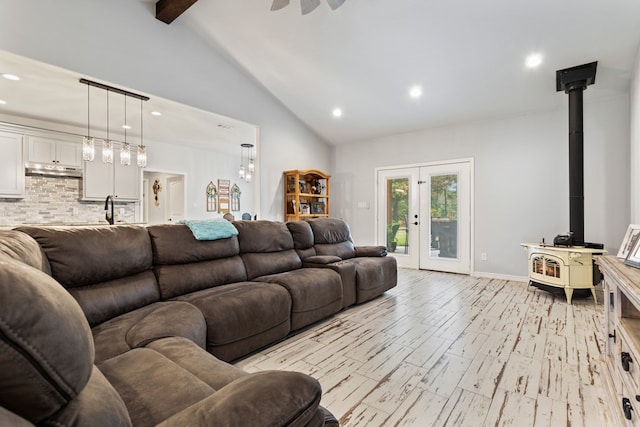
107 269
372 272
241 316
46 354
315 293
155 298
23 248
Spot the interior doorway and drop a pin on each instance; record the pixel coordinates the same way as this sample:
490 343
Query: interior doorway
424 215
163 197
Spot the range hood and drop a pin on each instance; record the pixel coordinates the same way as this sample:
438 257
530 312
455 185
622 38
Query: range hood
52 170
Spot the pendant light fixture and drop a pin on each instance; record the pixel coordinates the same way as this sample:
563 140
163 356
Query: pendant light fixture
125 149
246 172
107 146
88 147
142 150
88 150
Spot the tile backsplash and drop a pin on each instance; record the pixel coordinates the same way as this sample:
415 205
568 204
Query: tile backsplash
58 200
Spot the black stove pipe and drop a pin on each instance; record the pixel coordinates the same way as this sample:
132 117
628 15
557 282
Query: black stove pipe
573 81
576 166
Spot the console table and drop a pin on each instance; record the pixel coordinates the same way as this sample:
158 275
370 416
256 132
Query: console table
622 337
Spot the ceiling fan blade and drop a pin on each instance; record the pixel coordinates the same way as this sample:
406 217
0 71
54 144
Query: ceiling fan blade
334 4
279 4
308 5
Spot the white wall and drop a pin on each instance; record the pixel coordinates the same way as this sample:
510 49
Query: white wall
521 178
121 42
635 143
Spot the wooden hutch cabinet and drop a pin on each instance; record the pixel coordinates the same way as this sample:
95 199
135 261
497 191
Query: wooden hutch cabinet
622 337
306 194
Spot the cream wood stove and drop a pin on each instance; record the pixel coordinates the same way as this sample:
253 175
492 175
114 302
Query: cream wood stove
568 264
568 268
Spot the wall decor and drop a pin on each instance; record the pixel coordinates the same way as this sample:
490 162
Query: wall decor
235 198
318 208
157 187
223 195
632 232
212 197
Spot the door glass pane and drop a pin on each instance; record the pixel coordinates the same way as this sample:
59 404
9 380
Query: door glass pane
444 216
397 215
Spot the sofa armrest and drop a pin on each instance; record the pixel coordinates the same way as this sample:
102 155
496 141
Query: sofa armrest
272 398
320 260
372 251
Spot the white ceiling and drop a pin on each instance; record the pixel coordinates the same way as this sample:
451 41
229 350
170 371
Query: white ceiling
467 55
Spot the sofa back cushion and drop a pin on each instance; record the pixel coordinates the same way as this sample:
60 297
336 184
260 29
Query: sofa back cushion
302 238
266 247
332 236
183 264
107 268
22 247
46 349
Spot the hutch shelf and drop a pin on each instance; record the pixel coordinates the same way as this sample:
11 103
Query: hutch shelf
306 194
622 337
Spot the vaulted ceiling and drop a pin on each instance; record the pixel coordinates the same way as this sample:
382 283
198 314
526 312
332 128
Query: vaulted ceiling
467 56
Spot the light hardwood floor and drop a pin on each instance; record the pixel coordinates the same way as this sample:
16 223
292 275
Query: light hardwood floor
452 350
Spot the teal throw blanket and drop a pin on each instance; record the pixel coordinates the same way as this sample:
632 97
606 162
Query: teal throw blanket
210 229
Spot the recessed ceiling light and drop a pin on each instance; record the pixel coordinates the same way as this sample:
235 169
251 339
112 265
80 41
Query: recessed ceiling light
10 76
126 127
337 112
156 113
415 91
2 102
533 60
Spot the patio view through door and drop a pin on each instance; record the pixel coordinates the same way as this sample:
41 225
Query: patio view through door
424 215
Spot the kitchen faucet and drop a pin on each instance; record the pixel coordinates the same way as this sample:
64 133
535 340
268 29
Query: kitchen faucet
109 215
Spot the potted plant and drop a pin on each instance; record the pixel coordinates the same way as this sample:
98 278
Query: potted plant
392 229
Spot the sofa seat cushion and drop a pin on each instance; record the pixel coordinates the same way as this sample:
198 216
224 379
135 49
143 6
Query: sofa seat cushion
374 275
199 362
242 317
141 326
269 398
315 293
153 387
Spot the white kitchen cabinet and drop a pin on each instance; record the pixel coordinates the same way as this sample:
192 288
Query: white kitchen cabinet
11 166
50 151
102 179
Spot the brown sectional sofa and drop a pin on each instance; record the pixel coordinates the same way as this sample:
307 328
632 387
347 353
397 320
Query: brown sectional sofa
150 316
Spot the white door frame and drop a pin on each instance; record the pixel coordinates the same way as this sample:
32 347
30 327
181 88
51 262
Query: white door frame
145 192
381 237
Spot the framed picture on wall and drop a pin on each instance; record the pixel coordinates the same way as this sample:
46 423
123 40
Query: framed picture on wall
632 232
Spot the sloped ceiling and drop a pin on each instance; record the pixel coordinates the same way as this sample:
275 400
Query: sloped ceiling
468 57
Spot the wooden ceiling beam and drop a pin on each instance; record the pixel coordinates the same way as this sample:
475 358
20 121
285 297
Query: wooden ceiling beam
168 10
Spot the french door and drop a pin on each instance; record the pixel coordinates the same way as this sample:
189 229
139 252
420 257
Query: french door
424 215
